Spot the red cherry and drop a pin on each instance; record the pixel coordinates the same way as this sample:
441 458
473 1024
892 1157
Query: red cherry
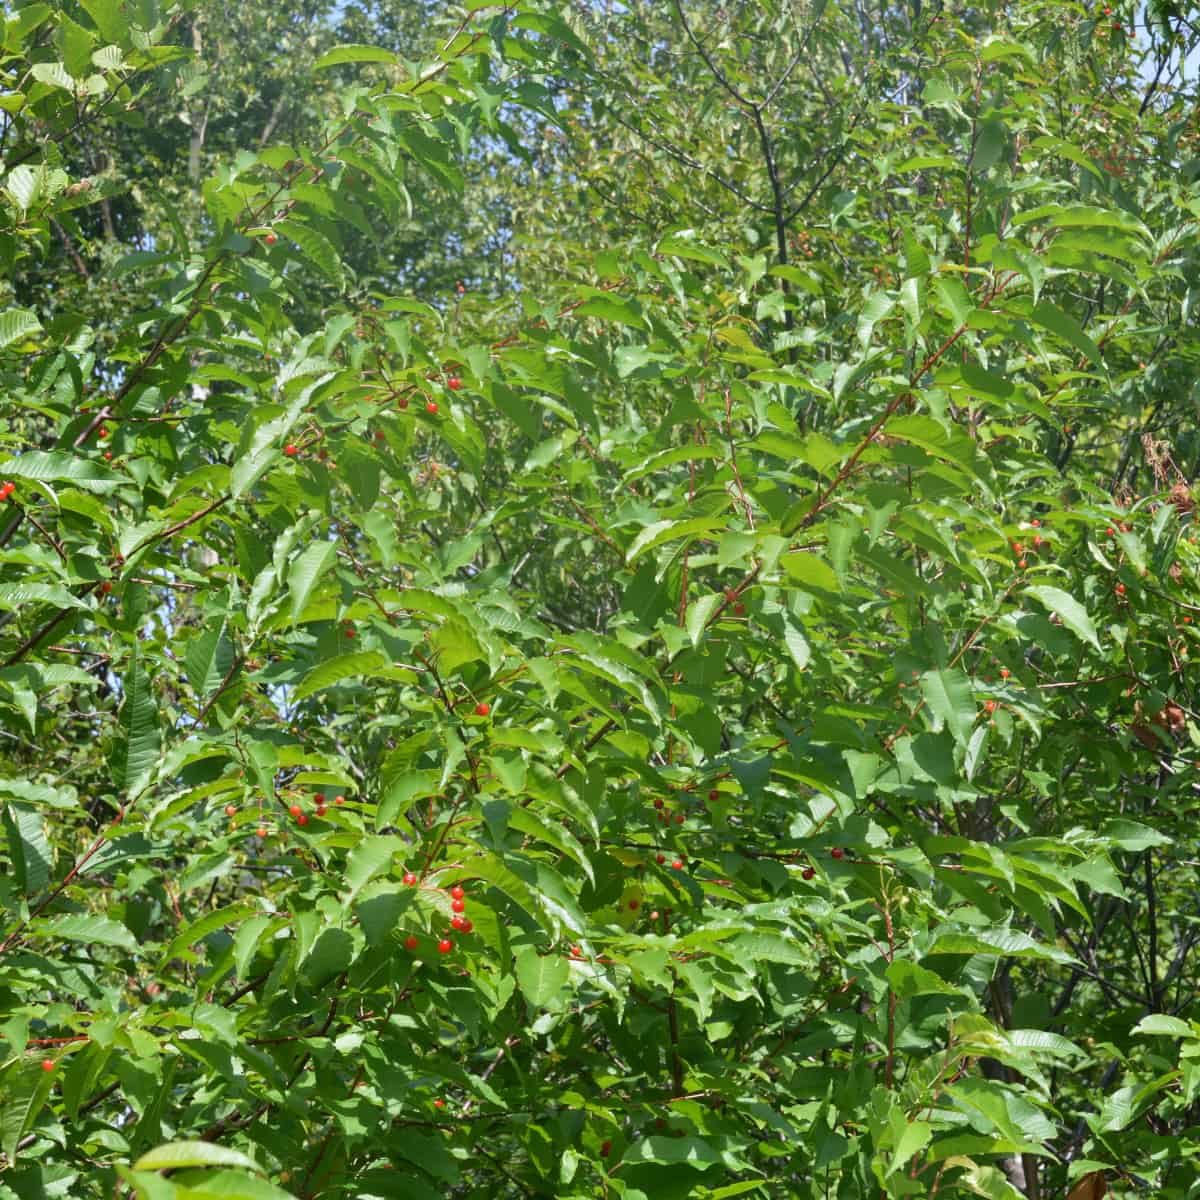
1004 672
320 797
605 1149
660 858
807 873
410 879
1035 523
106 587
431 407
349 631
302 819
739 609
291 450
1017 548
261 831
321 810
634 905
714 796
454 383
410 942
658 802
467 925
677 865
295 810
108 456
1022 564
1120 589
102 432
47 1064
482 709
458 906
458 922
270 239
457 893
339 799
445 946
230 811
837 852
439 1104
990 707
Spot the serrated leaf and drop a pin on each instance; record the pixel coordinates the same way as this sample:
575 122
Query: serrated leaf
83 927
17 323
28 849
209 658
542 977
334 670
353 53
173 1155
1072 614
305 571
135 751
315 246
57 464
948 693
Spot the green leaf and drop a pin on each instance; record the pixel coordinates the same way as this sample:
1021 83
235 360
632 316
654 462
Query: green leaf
542 976
135 751
1051 317
24 1090
660 532
17 324
1072 614
334 670
305 571
209 658
950 697
315 246
354 54
1160 1025
28 848
173 1155
82 927
59 465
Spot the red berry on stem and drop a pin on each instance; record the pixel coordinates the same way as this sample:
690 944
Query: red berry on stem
457 893
605 1149
458 906
439 1103
339 799
467 925
990 707
47 1064
454 383
837 852
658 802
677 864
634 905
482 709
458 922
295 810
431 406
807 873
270 239
445 946
291 449
714 796
261 831
1120 589
410 879
106 587
302 819
230 811
321 810
660 858
410 942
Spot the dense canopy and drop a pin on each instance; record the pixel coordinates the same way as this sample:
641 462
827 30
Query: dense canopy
596 599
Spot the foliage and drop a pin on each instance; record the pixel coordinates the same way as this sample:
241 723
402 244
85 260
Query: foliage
597 602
